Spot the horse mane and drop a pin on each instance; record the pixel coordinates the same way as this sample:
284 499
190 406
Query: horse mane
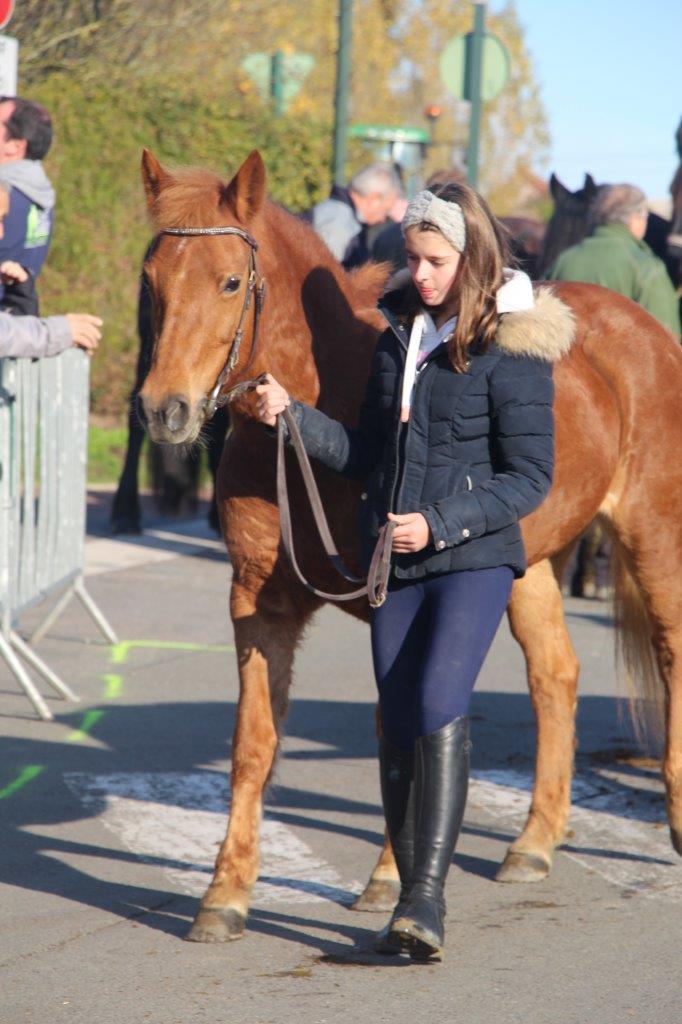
191 199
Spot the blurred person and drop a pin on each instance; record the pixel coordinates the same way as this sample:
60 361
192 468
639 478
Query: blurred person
343 219
33 337
616 256
17 282
25 138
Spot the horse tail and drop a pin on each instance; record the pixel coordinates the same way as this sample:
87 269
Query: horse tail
635 655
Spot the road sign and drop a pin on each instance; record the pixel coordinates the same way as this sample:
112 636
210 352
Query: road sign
6 12
9 62
278 76
496 66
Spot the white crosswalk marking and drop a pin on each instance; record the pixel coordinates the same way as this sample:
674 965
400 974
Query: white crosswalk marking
177 821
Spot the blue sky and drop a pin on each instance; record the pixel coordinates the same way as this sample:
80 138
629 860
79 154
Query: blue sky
610 73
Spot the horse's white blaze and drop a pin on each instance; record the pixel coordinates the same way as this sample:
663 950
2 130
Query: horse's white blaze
177 821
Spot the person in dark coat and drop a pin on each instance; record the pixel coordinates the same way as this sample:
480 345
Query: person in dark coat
25 138
455 444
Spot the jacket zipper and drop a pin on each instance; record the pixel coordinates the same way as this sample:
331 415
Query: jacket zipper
400 475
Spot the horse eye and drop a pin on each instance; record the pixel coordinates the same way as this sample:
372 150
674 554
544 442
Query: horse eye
232 283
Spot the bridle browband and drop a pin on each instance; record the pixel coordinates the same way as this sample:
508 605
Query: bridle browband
256 284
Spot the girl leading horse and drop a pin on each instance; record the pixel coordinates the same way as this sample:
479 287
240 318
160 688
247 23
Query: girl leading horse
618 376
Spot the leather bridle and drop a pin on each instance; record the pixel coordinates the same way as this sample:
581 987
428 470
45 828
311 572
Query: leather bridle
255 283
377 582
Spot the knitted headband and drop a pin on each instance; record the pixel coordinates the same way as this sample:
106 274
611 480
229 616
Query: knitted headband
447 217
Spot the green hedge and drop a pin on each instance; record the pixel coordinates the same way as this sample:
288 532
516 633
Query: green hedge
101 229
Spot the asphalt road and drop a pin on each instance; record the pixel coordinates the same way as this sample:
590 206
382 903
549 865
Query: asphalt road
111 814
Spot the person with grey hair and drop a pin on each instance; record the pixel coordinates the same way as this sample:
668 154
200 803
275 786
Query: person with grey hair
616 256
342 220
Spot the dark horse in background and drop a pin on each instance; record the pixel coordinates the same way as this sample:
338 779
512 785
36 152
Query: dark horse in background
572 220
175 474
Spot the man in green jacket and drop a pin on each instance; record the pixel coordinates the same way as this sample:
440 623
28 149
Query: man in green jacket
616 256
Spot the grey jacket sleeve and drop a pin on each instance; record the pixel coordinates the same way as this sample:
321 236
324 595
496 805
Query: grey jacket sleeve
522 422
336 225
32 337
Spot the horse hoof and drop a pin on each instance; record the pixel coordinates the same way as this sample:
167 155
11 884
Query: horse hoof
379 896
523 867
676 840
217 925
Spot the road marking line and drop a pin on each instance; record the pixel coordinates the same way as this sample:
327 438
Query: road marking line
90 719
26 775
617 822
119 652
176 821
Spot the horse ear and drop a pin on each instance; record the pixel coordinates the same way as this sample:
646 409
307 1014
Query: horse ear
246 191
590 188
154 177
557 190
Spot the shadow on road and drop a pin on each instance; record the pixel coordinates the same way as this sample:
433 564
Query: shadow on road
192 737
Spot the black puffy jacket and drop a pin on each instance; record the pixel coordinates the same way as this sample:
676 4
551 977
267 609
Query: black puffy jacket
475 457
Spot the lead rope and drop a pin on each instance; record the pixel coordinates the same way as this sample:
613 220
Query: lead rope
376 586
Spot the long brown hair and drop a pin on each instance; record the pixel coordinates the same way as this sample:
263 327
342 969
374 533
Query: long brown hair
479 274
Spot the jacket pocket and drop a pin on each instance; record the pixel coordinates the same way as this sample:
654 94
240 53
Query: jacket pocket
443 481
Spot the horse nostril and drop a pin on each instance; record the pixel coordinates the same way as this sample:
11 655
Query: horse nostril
175 413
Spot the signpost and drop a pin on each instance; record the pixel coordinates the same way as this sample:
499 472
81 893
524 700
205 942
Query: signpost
279 76
9 53
343 58
6 12
475 67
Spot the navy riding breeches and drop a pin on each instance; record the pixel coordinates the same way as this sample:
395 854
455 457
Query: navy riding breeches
429 641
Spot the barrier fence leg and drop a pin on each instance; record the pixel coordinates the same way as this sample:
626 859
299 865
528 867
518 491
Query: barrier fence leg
24 680
52 616
91 607
39 665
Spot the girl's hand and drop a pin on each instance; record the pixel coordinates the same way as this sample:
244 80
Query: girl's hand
12 272
272 400
411 534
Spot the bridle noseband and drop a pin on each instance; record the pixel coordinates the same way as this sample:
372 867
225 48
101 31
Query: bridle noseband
256 284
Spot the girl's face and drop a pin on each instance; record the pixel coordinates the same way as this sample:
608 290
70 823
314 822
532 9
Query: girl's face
433 264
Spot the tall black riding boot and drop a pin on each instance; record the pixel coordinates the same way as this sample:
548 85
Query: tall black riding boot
441 770
396 772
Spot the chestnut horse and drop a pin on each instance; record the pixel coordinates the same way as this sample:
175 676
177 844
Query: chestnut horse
618 439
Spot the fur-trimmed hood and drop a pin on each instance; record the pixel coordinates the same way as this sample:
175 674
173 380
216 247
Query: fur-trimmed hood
544 331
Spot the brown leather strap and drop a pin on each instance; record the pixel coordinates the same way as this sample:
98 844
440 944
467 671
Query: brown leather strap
377 581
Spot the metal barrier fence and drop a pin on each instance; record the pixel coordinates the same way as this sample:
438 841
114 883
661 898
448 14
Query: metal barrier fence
43 455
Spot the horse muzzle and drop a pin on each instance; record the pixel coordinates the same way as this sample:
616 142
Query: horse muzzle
172 420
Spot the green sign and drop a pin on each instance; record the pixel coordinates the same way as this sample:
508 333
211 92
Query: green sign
292 68
496 66
385 133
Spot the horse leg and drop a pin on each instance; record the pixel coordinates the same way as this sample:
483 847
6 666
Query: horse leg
537 622
648 599
383 888
265 642
125 509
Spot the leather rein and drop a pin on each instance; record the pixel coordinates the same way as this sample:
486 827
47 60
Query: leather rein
376 586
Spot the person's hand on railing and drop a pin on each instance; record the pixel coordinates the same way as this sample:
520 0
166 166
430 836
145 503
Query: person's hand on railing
272 400
86 330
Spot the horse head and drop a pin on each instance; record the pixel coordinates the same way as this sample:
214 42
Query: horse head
571 219
203 278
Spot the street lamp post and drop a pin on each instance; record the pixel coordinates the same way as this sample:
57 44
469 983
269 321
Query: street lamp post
474 71
343 59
